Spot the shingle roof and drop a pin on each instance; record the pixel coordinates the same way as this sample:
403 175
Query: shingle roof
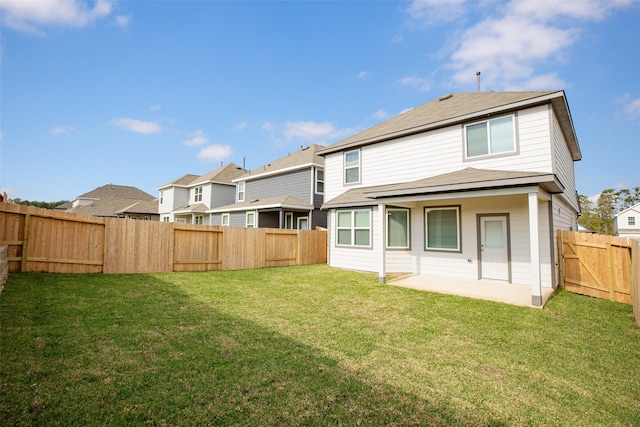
111 191
305 156
224 174
141 207
195 207
468 179
184 180
265 202
459 107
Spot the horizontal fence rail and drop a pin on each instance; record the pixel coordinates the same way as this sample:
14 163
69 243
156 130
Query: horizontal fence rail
44 240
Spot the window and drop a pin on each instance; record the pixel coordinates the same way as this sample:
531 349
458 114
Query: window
631 220
354 228
288 220
165 219
161 196
398 228
251 219
491 137
198 220
319 181
442 228
352 167
241 191
303 223
225 219
198 194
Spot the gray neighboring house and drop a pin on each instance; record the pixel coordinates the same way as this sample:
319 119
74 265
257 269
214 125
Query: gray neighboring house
188 199
114 201
286 193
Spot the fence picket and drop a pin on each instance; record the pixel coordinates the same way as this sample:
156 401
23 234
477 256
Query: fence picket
50 241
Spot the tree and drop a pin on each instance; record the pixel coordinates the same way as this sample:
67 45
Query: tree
600 217
45 205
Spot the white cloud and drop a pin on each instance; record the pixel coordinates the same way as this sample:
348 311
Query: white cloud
123 21
196 139
381 114
431 12
137 126
632 108
240 126
61 130
28 16
215 152
363 74
420 83
307 131
514 39
398 38
155 107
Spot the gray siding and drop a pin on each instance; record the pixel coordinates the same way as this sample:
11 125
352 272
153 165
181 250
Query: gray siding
294 184
319 219
222 195
237 219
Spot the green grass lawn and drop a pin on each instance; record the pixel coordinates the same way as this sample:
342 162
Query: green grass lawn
305 346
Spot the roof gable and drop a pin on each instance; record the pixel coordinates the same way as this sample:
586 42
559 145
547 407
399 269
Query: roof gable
457 108
111 191
306 156
223 175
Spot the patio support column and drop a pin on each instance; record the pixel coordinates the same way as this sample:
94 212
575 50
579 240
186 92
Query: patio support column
382 226
534 242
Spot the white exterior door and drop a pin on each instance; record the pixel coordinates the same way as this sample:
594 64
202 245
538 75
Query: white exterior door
494 248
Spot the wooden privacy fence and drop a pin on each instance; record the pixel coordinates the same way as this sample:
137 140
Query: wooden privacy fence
597 265
58 242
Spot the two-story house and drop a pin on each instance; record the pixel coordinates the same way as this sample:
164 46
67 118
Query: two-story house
188 198
469 185
627 222
286 193
114 201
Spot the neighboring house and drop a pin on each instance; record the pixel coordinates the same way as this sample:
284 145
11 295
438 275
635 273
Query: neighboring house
115 201
286 193
188 198
470 186
627 222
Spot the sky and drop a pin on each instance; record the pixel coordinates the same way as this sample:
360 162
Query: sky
141 93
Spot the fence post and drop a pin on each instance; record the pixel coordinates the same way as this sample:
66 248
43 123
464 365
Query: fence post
25 242
611 276
560 259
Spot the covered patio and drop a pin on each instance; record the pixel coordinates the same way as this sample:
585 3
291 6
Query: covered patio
491 290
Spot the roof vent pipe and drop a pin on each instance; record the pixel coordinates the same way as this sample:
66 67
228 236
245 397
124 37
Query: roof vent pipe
478 78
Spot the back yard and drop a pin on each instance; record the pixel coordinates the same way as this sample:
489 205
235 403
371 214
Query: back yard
305 346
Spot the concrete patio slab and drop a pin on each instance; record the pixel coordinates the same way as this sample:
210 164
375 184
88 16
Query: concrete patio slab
491 290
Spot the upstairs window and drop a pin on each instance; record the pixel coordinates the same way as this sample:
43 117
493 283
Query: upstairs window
161 196
197 194
319 181
631 220
241 192
491 137
352 167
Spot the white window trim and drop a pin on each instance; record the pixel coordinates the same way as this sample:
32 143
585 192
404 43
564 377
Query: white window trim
161 196
408 212
303 218
353 228
490 155
458 249
197 194
287 216
318 181
198 219
631 220
255 219
344 159
228 217
241 184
